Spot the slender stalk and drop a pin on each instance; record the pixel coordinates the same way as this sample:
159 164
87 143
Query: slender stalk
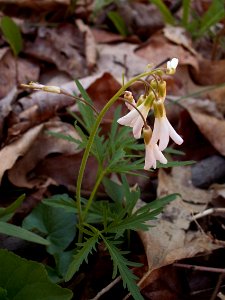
91 140
97 183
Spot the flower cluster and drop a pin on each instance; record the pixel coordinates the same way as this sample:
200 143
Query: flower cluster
157 140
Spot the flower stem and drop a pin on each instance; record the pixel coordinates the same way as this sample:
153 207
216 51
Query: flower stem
97 183
90 143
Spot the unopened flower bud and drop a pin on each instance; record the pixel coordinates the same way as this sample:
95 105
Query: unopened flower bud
149 99
162 89
171 66
37 86
128 96
147 133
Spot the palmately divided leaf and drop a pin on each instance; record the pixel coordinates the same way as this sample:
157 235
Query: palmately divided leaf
121 263
82 255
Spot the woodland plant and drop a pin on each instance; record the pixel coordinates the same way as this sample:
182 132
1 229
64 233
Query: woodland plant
103 220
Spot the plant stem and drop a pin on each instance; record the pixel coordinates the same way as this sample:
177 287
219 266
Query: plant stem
90 143
97 183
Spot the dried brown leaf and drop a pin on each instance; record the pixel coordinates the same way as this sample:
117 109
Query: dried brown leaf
14 70
10 153
43 146
212 126
168 240
90 45
158 49
62 46
37 4
209 72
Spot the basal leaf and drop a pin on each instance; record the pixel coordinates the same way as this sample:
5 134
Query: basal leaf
56 224
21 279
61 201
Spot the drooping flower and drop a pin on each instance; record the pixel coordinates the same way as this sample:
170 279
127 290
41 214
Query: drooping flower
47 88
134 119
172 65
152 152
163 130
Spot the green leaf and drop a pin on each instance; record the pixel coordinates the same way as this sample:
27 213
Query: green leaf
58 225
12 34
21 233
113 189
6 213
85 110
176 164
61 201
159 203
100 4
26 280
168 17
186 12
121 263
82 254
118 22
214 14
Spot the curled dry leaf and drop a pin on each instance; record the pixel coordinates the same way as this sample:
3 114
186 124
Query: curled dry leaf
15 70
179 36
212 126
43 146
65 53
10 153
170 238
159 48
90 45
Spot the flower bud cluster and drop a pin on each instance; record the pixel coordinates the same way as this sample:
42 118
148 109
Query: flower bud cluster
157 140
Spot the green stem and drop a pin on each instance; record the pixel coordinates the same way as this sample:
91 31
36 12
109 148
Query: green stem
97 183
91 140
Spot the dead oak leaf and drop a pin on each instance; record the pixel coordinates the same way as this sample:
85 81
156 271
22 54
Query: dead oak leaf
10 153
169 238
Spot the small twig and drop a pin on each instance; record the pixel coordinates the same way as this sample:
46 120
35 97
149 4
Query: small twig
199 268
216 290
107 288
207 212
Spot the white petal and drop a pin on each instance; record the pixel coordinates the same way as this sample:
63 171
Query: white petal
174 63
138 127
155 133
149 157
128 118
168 65
158 155
130 107
174 135
163 134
